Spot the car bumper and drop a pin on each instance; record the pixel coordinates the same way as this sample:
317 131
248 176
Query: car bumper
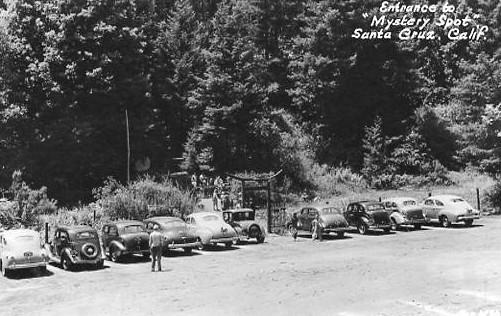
462 218
185 245
136 252
380 226
86 261
223 240
19 266
335 230
417 221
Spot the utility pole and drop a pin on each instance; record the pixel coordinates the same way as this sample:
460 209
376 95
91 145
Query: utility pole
128 145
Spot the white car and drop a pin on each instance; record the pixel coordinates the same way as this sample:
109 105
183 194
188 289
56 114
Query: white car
449 209
212 229
21 249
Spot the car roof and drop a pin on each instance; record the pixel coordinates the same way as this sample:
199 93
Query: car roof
125 223
236 210
164 219
399 199
367 202
445 197
77 228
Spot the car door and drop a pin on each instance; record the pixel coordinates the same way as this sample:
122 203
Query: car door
439 206
350 214
429 209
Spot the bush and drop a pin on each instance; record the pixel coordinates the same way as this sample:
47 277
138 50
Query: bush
493 196
143 198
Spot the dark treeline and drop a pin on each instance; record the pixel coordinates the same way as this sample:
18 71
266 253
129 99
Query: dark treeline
233 85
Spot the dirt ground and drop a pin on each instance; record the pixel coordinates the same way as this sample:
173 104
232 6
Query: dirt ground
433 271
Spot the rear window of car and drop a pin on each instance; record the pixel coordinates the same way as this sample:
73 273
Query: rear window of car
86 235
330 210
409 203
133 229
374 207
457 200
243 216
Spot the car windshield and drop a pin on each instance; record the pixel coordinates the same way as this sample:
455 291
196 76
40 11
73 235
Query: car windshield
86 235
133 229
374 207
457 200
330 210
409 203
243 216
210 218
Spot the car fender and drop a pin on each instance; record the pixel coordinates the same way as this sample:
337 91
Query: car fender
205 235
397 217
450 215
117 244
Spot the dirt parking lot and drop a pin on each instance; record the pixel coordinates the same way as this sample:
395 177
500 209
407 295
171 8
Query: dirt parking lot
433 271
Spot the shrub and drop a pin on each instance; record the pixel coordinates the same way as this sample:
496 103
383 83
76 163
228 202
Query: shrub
143 198
493 195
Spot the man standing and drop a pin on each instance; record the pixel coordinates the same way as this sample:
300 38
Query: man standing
156 244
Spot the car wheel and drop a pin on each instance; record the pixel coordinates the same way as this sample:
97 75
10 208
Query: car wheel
445 221
417 226
254 231
228 244
394 225
387 230
66 263
115 255
260 239
362 228
468 222
5 272
340 234
187 250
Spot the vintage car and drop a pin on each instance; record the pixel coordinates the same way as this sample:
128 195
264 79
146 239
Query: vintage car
331 219
404 211
177 234
76 245
124 238
243 221
365 215
212 229
449 209
21 249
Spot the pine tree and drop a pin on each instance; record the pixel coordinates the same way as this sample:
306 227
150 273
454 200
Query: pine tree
375 163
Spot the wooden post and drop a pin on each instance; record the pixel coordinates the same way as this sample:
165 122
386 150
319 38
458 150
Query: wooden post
429 194
380 199
94 216
478 199
128 145
46 233
268 204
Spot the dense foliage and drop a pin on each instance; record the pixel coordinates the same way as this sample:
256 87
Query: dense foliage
235 85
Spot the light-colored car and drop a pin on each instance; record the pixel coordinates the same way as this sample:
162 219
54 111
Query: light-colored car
449 209
244 223
212 229
21 249
404 211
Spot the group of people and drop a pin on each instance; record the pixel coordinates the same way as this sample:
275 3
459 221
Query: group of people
316 228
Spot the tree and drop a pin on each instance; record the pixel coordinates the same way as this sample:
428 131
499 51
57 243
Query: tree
375 164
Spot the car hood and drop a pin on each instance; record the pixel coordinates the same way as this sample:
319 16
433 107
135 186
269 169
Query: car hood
334 220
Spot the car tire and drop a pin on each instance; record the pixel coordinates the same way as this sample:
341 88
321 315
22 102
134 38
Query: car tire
66 263
260 239
468 222
362 228
100 265
417 226
228 244
387 230
187 250
340 234
444 221
115 255
394 225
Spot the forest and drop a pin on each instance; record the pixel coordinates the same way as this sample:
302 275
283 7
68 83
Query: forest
234 86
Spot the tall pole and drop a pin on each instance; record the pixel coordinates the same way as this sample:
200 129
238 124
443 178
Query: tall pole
128 145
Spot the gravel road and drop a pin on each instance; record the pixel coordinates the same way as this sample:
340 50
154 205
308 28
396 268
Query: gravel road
433 271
